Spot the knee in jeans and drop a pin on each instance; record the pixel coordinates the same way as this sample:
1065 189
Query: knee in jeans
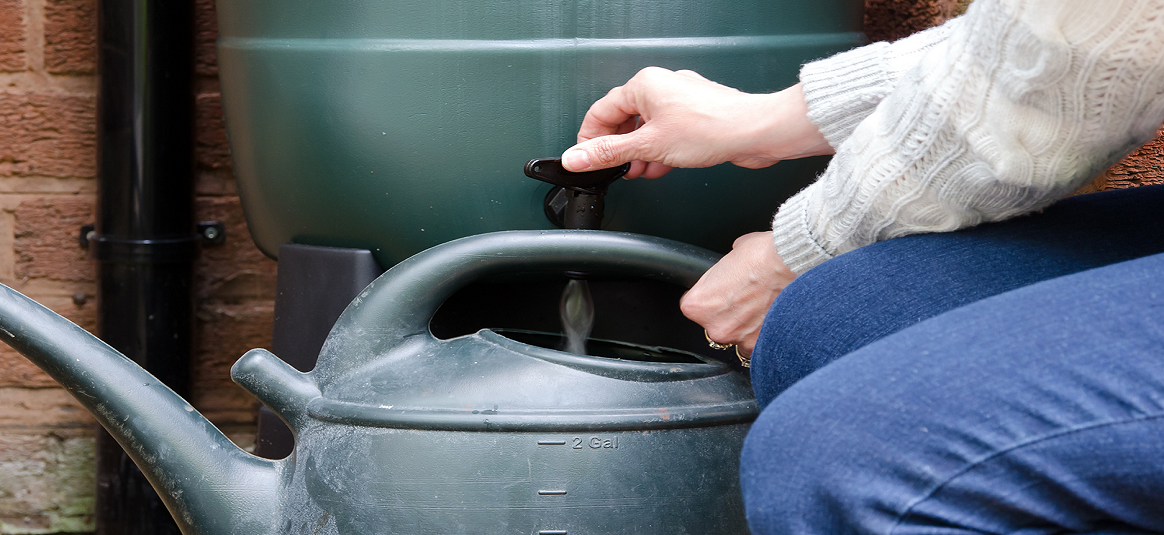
815 320
834 309
787 483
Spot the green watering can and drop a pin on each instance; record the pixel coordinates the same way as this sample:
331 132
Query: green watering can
400 432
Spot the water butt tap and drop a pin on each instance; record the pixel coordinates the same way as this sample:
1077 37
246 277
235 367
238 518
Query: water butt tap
576 201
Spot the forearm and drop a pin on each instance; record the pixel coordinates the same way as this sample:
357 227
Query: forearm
1022 103
782 129
842 90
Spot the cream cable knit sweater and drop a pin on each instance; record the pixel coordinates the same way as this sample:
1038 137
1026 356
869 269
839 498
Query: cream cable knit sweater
995 114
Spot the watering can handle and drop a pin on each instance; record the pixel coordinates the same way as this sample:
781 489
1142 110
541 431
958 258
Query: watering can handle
398 306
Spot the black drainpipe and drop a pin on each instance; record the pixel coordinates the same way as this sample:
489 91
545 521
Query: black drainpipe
145 237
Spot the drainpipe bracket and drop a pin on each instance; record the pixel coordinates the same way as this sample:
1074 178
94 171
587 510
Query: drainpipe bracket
212 232
86 232
153 251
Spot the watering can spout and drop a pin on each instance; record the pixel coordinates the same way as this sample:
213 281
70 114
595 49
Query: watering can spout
208 484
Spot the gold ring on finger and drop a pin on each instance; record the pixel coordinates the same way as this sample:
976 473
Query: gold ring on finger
714 344
744 361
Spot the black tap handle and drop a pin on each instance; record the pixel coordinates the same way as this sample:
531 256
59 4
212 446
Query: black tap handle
551 170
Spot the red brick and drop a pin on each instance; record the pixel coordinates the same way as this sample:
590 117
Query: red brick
17 371
211 146
215 182
46 232
205 34
225 332
230 408
235 288
70 36
1142 167
235 270
12 35
889 20
41 407
47 134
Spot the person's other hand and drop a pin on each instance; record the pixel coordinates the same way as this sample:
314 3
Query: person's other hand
732 298
663 119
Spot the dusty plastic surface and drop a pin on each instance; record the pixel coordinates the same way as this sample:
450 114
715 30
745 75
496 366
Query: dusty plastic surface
484 434
400 432
395 126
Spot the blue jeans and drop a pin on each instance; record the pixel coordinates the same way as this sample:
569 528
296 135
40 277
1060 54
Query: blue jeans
1004 379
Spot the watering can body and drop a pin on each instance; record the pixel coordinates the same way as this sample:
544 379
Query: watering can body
400 432
521 439
430 482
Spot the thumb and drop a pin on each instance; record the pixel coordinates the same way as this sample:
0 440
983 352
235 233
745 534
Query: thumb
604 152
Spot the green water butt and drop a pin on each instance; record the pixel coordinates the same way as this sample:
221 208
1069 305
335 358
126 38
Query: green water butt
396 126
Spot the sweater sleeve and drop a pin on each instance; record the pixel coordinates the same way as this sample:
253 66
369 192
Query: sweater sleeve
842 90
1021 104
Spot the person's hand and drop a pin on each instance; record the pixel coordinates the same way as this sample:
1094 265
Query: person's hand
663 119
732 298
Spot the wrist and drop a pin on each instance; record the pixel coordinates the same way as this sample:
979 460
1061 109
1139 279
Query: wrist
784 131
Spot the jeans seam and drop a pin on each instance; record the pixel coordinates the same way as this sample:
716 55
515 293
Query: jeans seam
909 509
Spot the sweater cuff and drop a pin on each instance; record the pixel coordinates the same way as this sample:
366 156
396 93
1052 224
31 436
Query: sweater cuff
842 90
793 240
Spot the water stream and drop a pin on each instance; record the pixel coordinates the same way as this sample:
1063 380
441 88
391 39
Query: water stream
577 311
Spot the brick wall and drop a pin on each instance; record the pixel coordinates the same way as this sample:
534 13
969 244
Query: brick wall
47 87
47 167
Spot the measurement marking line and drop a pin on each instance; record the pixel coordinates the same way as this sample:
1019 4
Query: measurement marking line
551 443
552 532
551 493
